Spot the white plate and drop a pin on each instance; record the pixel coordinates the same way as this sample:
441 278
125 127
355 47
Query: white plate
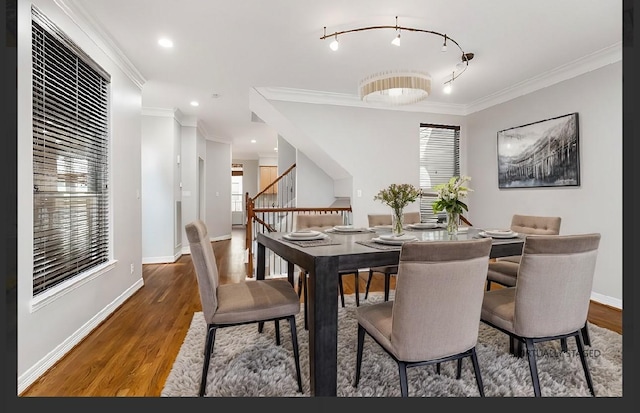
463 229
381 228
511 235
498 232
303 233
298 237
347 228
424 225
392 241
403 237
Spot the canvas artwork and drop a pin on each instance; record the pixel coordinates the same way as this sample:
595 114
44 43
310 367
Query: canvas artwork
540 154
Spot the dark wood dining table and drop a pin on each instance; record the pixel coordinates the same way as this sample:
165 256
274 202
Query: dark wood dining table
344 251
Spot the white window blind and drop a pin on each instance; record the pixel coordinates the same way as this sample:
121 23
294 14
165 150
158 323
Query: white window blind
70 158
439 161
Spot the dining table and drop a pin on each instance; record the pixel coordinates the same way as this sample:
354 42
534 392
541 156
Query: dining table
344 250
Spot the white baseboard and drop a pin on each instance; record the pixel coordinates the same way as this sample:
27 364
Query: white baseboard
38 369
162 260
606 300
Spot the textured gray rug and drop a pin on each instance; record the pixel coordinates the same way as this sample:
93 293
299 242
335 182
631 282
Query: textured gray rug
248 364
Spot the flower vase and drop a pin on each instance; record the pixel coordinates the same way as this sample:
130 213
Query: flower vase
397 222
453 219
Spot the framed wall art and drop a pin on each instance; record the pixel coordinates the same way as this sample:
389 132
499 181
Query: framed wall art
540 154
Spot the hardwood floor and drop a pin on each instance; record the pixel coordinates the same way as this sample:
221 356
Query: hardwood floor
131 353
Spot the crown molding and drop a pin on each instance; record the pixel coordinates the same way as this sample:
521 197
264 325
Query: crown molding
343 99
99 36
601 58
596 60
159 112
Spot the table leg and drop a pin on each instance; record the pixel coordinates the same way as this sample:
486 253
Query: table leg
290 272
323 326
261 262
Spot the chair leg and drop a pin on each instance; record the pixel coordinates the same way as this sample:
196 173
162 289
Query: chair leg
563 345
387 282
438 368
356 280
277 323
459 369
585 335
476 371
208 349
404 385
488 285
583 360
341 290
359 354
533 367
296 354
366 291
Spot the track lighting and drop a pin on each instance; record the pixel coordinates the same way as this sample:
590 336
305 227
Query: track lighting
415 86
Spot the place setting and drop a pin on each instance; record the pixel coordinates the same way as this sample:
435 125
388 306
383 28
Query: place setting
388 241
309 238
498 233
347 229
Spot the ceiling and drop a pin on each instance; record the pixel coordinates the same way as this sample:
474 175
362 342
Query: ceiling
226 48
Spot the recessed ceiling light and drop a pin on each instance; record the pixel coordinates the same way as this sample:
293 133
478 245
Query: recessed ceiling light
164 42
253 141
275 149
194 103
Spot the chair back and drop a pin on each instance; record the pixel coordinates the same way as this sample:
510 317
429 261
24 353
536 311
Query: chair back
536 225
204 261
554 283
318 222
379 219
439 291
411 218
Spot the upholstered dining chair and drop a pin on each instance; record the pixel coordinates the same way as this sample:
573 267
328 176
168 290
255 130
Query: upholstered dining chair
231 305
504 270
321 222
550 300
387 270
435 314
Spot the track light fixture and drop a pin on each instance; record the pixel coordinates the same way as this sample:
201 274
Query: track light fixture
460 68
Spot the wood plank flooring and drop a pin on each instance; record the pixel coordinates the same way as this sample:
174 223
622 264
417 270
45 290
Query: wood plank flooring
131 353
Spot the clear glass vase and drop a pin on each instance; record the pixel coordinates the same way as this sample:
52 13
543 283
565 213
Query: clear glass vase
453 219
397 222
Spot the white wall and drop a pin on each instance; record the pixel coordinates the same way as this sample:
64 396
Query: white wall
594 206
45 334
314 188
218 190
190 157
160 186
376 147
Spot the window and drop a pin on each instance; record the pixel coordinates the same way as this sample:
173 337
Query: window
236 188
70 158
439 161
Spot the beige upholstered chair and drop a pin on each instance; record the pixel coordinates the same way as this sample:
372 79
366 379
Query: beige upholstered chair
230 305
551 298
435 314
387 270
321 222
504 270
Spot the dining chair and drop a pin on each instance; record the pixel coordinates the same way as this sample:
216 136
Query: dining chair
322 222
504 270
387 270
435 314
230 305
550 300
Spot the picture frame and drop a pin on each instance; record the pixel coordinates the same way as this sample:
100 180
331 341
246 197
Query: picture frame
540 154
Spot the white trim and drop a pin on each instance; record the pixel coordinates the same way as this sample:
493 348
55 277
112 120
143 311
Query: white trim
159 112
606 300
39 368
167 259
65 287
95 32
601 58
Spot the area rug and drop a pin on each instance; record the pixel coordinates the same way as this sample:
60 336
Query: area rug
246 363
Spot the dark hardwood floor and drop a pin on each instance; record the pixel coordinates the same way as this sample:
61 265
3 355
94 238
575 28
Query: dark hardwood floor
131 353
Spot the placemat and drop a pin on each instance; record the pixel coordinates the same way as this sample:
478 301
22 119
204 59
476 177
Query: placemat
313 242
376 245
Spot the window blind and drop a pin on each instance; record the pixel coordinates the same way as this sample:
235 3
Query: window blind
439 161
70 158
